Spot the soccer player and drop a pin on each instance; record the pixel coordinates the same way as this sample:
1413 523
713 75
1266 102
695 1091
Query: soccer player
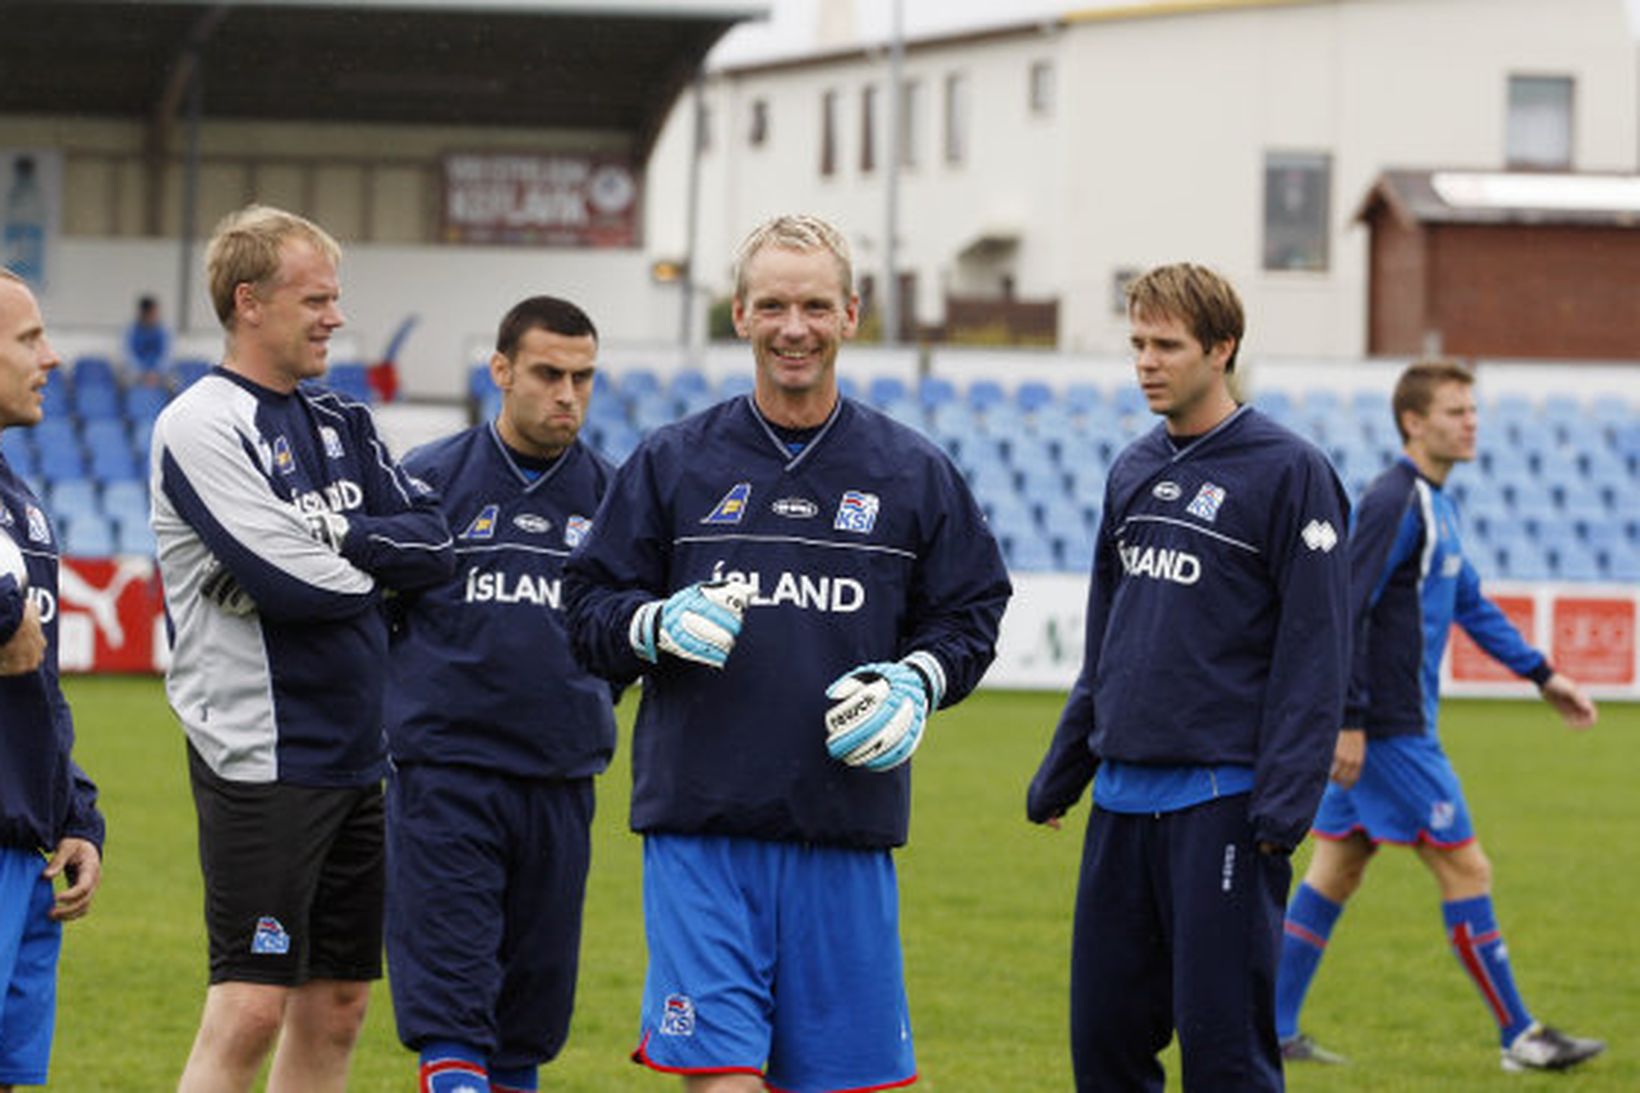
1391 781
1211 682
495 731
800 580
280 518
49 823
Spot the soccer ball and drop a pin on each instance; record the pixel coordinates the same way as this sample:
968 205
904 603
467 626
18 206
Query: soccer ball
11 561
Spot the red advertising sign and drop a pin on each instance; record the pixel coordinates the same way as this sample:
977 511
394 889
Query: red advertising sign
1472 664
1594 639
111 615
522 199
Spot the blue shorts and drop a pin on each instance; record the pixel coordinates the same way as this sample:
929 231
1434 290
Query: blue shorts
1408 793
728 918
29 944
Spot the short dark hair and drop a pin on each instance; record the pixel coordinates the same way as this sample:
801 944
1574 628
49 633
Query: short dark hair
1415 390
547 313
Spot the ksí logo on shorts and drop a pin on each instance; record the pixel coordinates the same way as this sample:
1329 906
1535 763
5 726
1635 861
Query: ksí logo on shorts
678 1016
1442 814
270 938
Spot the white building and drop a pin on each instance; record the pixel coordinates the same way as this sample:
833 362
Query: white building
1053 159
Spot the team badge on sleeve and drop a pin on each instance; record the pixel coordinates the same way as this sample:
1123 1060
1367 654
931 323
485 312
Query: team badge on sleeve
575 529
857 512
333 441
39 528
732 507
1207 502
483 525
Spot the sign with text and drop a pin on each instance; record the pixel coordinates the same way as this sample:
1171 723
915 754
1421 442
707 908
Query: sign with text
1594 639
525 199
1472 664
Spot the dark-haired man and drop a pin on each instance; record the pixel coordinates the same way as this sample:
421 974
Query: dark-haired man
1391 780
495 731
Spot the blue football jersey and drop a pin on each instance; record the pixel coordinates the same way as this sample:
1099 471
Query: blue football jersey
1410 582
291 691
482 672
1217 626
864 546
44 795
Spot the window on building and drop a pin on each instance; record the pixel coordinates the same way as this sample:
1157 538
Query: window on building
910 121
758 131
868 128
828 134
1297 198
1540 122
1041 87
956 117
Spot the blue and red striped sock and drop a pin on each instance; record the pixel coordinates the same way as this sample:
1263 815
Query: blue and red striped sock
1472 930
1310 920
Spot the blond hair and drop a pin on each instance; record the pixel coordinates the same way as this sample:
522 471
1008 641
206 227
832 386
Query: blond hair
245 249
799 232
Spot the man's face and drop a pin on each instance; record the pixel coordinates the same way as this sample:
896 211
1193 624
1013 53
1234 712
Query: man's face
26 356
795 314
1446 434
546 387
288 325
1181 380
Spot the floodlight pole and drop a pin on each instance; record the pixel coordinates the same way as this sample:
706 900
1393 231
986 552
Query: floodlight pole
890 293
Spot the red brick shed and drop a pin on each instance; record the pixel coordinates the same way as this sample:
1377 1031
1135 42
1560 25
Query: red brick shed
1501 265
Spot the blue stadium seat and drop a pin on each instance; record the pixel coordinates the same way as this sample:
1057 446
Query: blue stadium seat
637 381
953 417
616 442
688 381
144 402
479 383
934 391
88 535
134 537
1042 486
1033 396
1276 403
1029 552
1082 397
1525 561
882 391
1531 498
57 448
350 379
188 370
73 498
984 394
652 410
97 401
94 369
18 450
56 399
1576 562
849 387
1130 401
116 465
1027 453
735 383
1622 563
1088 484
126 501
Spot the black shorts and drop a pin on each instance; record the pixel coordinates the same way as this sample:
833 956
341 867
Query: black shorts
294 879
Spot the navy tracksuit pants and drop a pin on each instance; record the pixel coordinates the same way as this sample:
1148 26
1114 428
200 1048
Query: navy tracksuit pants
1178 926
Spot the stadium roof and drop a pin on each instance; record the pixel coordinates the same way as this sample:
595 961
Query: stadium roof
1502 197
525 63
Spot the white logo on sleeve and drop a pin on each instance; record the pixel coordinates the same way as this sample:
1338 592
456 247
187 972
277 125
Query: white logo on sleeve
1319 535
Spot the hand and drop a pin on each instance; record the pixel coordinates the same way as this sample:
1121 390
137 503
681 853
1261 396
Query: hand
1573 704
329 528
697 623
220 588
877 715
1348 755
81 865
25 650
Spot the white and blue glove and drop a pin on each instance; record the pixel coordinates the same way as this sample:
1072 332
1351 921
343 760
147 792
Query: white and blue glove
878 711
698 623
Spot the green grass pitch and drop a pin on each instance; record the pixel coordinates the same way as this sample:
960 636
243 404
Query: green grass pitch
986 902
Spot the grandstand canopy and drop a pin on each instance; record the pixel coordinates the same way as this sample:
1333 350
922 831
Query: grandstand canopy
549 64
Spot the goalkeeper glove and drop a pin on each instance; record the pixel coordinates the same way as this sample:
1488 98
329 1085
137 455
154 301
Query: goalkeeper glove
220 588
697 623
329 528
879 710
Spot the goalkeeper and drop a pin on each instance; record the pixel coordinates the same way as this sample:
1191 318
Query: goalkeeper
802 581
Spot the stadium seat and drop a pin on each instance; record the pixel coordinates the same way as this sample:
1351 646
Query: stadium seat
73 498
1576 562
143 402
935 391
984 394
848 387
56 399
97 401
883 391
94 369
18 449
87 535
1029 552
1525 561
635 382
736 383
688 381
1082 397
1033 396
134 537
125 502
1043 486
185 372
